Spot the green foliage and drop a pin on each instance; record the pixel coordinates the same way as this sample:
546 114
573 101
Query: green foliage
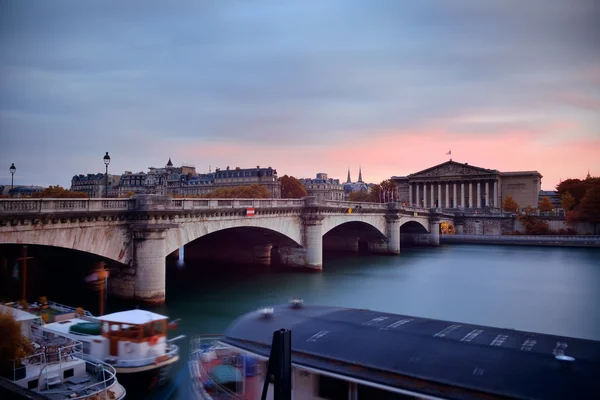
509 204
58 192
292 188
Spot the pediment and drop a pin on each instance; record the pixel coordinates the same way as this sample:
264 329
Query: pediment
452 168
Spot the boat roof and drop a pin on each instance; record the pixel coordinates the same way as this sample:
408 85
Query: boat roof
433 357
62 327
133 317
18 315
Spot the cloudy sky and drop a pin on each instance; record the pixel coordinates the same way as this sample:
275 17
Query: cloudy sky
302 86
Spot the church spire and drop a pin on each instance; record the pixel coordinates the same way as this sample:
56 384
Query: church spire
348 180
588 175
360 174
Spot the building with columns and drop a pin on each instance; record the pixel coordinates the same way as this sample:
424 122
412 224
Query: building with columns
457 185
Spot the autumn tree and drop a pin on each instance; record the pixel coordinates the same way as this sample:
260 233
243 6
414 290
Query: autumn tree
567 201
545 205
374 192
533 224
361 197
577 187
292 188
254 191
58 192
589 208
13 346
509 204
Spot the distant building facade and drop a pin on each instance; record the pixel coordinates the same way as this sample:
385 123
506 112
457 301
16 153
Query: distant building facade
554 198
359 186
323 187
20 191
94 185
460 185
176 181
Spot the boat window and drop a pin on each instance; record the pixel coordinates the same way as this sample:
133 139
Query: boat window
68 373
32 384
147 330
368 392
332 388
158 327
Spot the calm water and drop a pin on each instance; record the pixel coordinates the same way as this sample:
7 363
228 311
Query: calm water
540 289
549 290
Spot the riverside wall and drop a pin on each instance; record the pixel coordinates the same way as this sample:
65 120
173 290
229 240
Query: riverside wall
526 240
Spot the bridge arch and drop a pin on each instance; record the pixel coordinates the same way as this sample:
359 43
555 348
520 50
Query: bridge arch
413 226
374 222
288 227
108 241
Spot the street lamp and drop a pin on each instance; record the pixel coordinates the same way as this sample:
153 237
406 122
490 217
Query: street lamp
106 162
12 170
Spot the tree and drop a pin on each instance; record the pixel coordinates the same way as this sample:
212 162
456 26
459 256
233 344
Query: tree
577 187
13 346
58 192
533 225
374 192
361 197
589 208
509 204
254 191
546 205
567 201
292 188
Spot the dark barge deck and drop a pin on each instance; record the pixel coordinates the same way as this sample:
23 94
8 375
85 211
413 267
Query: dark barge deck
444 359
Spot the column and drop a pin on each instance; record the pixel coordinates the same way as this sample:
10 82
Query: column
462 194
447 195
410 197
313 241
478 194
470 194
496 193
149 263
418 201
434 227
454 199
440 205
425 195
432 195
487 193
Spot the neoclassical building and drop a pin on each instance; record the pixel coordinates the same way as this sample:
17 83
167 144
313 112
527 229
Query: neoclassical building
457 185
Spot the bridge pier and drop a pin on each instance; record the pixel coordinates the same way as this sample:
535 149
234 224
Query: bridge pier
434 227
313 241
262 254
150 247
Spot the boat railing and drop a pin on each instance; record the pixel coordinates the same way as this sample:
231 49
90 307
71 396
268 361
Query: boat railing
62 307
199 346
171 350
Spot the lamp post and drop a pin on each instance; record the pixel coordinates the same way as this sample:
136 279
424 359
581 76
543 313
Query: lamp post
106 162
12 170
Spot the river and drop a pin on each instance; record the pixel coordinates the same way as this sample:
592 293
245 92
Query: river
552 290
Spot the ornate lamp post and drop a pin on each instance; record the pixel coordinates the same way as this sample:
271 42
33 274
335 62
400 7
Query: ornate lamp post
106 162
12 170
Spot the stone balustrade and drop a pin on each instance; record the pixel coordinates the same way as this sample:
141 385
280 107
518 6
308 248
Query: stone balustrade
34 206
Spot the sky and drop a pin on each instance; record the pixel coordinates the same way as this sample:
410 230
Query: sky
301 86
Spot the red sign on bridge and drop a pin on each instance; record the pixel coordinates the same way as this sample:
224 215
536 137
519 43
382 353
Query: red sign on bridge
250 212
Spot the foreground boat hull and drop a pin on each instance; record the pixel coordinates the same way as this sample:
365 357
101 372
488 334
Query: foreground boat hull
145 378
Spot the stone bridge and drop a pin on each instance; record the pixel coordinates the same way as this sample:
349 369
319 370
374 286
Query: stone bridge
139 233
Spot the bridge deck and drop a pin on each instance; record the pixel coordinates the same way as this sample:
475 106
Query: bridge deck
440 358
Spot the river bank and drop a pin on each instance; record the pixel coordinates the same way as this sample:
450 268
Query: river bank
525 240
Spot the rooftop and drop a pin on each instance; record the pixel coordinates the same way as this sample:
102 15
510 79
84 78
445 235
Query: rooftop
134 317
428 356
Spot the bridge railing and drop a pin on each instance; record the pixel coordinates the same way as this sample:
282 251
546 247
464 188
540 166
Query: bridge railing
354 204
195 204
13 206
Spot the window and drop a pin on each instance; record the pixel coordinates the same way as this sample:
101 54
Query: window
368 392
332 388
68 373
32 384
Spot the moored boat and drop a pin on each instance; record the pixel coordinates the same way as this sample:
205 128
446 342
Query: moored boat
133 342
363 354
57 368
